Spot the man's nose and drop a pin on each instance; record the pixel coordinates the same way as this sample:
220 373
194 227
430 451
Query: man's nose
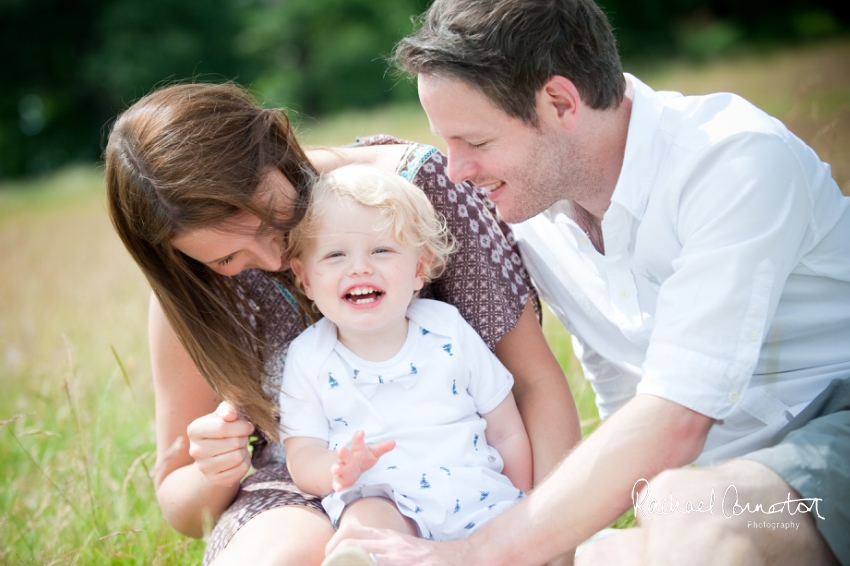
460 168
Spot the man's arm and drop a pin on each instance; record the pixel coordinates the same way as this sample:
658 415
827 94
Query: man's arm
590 489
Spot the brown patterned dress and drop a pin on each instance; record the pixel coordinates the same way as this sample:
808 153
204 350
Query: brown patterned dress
484 279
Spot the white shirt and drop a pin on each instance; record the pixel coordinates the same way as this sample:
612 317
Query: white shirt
428 397
725 284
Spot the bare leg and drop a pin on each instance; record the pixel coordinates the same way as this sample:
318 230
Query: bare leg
379 513
285 535
712 538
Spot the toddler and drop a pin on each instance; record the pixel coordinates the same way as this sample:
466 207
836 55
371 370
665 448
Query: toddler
385 400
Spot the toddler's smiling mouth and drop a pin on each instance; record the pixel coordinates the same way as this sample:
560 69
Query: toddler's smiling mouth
363 295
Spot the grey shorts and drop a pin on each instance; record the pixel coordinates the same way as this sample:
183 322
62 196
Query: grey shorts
812 454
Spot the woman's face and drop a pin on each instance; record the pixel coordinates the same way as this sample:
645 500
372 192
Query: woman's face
245 242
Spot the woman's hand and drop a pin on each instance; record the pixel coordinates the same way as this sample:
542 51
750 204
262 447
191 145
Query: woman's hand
356 460
219 444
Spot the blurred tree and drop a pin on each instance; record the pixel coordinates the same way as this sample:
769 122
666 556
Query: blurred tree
71 65
326 55
46 112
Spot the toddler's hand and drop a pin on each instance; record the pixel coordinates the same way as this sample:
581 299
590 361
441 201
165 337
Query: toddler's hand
357 459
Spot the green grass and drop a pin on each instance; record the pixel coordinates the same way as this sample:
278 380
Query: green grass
77 427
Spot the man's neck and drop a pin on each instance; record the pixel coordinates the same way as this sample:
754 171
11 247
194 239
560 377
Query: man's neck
609 149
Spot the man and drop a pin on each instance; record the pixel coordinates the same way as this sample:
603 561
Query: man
698 252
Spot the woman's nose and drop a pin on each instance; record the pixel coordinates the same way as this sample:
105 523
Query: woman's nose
268 254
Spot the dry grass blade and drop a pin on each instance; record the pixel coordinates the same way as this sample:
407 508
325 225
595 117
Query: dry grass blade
130 471
123 372
131 531
47 477
13 419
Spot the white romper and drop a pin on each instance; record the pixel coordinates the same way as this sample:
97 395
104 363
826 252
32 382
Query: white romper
428 398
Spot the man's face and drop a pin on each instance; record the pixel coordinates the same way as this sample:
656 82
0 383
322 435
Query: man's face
524 169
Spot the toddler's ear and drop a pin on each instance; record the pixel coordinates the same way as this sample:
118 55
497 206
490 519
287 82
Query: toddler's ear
301 276
423 269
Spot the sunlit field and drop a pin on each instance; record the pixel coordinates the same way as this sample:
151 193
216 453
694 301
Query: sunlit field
76 407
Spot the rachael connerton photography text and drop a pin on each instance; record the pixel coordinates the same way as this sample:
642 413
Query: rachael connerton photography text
730 506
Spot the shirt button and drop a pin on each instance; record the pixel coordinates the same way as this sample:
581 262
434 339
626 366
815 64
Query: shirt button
624 293
753 335
583 240
491 458
733 397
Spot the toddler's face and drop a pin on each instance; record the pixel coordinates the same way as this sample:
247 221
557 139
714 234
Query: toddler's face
361 279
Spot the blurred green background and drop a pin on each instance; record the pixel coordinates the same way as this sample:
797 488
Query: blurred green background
69 66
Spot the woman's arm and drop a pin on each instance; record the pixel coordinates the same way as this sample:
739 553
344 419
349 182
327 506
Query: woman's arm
386 157
190 421
542 394
506 434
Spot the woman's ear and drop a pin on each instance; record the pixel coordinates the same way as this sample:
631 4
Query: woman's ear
301 276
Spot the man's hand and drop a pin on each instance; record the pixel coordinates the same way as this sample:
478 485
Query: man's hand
395 549
356 460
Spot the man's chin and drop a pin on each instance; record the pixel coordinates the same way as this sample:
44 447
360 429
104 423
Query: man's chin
510 214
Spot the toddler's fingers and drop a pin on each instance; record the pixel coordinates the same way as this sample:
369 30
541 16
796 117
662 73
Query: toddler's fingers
343 453
382 448
357 441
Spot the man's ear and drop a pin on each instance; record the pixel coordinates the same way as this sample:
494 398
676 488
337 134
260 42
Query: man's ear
301 277
559 100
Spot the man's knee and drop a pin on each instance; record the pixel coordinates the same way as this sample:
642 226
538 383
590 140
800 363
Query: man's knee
726 508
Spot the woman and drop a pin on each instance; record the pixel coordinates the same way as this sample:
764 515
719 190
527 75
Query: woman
203 185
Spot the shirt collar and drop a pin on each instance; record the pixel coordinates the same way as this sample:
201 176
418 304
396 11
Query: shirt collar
635 182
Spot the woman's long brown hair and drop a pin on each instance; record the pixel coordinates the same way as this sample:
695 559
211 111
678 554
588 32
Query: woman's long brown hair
188 157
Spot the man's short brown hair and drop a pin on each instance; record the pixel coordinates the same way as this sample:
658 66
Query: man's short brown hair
508 49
